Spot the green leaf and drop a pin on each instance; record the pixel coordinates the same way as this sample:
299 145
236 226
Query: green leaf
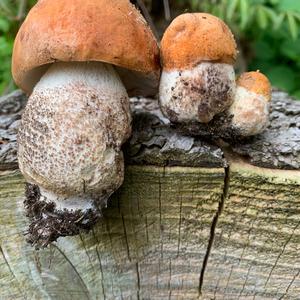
4 25
260 64
220 12
292 25
244 11
291 49
270 13
264 51
194 4
231 8
282 77
289 5
278 21
216 11
297 15
5 47
262 18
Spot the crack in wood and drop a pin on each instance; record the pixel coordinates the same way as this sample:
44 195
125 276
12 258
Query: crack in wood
160 214
244 284
179 226
280 254
86 250
126 238
213 228
75 270
100 265
138 280
11 271
160 144
290 284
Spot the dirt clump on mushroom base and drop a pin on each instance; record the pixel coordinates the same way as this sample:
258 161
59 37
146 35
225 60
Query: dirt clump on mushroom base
220 127
48 223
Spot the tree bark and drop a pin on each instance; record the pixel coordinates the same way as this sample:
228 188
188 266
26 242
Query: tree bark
195 217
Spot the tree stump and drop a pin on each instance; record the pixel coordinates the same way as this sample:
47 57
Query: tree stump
195 218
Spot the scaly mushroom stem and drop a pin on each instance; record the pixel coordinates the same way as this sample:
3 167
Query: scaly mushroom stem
71 133
197 94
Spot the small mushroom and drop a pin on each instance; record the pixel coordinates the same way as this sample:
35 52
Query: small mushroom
198 51
78 59
250 109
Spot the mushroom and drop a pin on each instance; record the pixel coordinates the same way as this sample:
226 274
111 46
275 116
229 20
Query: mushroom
198 80
250 108
78 59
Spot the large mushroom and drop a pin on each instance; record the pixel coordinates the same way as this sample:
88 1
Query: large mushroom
198 80
78 59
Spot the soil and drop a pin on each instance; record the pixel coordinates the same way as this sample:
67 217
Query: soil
47 223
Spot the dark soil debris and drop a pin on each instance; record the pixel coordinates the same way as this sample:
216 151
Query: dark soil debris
218 128
48 223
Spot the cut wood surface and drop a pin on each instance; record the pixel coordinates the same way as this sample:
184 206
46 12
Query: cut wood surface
256 251
194 218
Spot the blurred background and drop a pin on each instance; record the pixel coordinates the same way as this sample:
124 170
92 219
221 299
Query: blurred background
267 33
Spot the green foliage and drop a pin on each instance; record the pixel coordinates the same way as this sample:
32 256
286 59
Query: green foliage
244 14
12 13
268 31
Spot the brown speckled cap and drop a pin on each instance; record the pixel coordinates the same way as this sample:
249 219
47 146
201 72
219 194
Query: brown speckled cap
110 31
256 82
195 37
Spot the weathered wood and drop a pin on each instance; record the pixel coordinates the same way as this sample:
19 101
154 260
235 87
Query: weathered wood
155 141
150 243
256 252
11 107
279 145
185 219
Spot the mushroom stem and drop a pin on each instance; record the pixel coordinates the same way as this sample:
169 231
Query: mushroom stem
69 203
250 112
197 94
251 105
71 134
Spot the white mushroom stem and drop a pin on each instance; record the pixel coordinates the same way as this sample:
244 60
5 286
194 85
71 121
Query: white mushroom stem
69 203
71 133
250 112
197 94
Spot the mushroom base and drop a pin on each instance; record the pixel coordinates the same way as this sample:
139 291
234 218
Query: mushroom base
250 112
220 127
48 222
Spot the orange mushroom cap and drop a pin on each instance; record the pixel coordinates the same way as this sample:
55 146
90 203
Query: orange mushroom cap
195 37
256 82
109 31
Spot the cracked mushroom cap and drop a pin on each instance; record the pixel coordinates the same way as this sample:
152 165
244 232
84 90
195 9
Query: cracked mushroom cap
196 37
110 31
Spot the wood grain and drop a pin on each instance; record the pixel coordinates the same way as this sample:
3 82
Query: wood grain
256 253
150 243
194 219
